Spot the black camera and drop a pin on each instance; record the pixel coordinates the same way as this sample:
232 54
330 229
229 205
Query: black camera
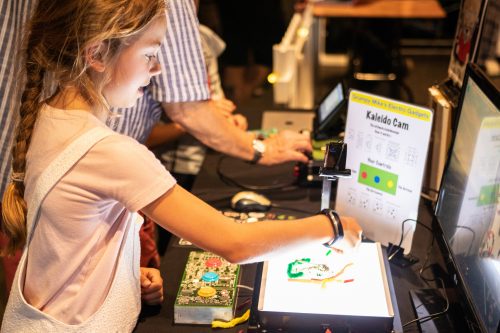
334 162
332 165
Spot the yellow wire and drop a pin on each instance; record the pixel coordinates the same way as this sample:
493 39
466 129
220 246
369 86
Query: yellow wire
231 323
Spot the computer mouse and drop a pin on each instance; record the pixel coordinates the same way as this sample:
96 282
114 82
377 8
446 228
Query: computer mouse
248 201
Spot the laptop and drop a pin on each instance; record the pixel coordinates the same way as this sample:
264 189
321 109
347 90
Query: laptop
323 122
288 120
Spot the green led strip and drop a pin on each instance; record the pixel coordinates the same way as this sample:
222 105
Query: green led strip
377 178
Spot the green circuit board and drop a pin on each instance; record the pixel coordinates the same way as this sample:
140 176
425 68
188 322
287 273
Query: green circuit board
207 290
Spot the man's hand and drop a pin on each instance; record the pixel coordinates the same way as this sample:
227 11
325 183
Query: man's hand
202 120
225 106
286 146
239 121
151 286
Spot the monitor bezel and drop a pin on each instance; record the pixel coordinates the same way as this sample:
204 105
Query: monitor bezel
484 83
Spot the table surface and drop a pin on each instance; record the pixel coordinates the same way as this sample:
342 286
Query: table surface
397 9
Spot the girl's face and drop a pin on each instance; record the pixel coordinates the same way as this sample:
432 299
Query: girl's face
135 65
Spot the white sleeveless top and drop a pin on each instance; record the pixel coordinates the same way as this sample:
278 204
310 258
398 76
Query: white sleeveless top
120 309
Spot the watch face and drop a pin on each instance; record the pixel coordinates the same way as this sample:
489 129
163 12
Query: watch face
259 146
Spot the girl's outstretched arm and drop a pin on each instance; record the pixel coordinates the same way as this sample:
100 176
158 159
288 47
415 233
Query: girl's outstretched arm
190 218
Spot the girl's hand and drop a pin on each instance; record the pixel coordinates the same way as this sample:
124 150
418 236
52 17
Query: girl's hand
151 286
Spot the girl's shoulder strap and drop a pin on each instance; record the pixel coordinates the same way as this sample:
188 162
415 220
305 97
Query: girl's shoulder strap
59 167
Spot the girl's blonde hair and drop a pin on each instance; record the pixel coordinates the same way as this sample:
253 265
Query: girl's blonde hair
60 34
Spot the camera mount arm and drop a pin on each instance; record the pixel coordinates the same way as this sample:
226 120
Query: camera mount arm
333 168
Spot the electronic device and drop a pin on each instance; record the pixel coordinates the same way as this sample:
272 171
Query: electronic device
428 302
327 121
333 168
248 201
324 123
207 291
467 214
334 162
280 120
308 174
313 289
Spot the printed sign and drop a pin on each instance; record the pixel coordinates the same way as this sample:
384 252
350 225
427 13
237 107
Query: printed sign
387 144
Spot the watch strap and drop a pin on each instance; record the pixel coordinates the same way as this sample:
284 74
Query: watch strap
338 230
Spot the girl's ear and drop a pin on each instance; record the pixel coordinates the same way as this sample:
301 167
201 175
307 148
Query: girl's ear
93 57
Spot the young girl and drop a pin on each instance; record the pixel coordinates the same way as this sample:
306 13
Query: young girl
76 185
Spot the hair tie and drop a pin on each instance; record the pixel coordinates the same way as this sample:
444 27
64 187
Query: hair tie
17 177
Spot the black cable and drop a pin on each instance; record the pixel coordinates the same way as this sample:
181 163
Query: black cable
232 182
433 315
427 257
422 269
391 255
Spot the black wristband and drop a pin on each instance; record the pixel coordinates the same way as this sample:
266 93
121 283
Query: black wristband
338 230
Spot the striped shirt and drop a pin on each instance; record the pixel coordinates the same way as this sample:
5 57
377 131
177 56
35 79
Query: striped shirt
13 16
183 77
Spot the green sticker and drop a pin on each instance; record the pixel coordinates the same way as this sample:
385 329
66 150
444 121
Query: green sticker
377 178
488 195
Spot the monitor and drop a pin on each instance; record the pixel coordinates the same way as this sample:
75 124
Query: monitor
331 102
467 211
329 111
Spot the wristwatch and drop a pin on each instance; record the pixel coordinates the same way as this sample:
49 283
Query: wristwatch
259 148
338 230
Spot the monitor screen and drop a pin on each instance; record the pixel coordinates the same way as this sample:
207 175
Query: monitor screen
331 102
468 210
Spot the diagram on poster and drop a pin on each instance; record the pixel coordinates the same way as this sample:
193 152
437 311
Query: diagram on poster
388 142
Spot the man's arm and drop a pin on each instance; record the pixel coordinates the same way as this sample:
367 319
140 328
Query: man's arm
162 133
210 127
184 79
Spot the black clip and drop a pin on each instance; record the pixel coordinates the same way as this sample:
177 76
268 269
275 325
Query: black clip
334 162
